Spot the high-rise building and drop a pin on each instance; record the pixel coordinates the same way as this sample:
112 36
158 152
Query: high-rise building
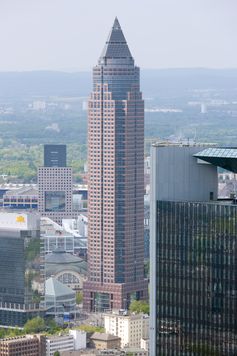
193 253
116 180
55 185
19 250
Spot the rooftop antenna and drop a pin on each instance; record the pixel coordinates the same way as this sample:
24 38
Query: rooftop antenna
195 136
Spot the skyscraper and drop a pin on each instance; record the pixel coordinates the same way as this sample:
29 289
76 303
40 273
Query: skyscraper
116 180
193 253
19 249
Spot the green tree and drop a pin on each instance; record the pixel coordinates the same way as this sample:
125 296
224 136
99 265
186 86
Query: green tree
139 306
34 325
79 297
91 328
56 353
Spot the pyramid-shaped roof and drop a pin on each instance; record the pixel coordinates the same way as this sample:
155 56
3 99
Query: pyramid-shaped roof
57 289
116 45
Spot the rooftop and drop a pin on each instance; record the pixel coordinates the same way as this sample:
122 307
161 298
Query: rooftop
223 157
104 337
116 45
55 288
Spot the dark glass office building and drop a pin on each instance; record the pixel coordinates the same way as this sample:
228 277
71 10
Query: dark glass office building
193 258
19 253
196 274
55 156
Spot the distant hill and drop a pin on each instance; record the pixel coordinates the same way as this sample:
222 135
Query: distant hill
153 82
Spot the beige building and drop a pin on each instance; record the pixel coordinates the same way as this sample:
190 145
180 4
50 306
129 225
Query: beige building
28 345
101 341
130 328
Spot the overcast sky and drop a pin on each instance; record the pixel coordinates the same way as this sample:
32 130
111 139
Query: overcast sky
70 34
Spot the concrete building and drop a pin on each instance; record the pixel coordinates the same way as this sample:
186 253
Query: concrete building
55 185
59 343
28 345
102 341
130 328
193 266
75 340
116 180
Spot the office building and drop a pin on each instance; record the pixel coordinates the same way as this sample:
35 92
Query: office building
19 253
55 185
130 328
28 345
55 156
116 180
74 340
193 253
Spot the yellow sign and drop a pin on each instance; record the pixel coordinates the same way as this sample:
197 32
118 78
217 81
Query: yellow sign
20 219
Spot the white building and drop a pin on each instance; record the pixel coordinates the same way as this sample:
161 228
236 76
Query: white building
145 344
38 105
59 343
76 340
76 227
130 328
79 337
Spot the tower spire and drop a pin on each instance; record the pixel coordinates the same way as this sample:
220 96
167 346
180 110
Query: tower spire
116 44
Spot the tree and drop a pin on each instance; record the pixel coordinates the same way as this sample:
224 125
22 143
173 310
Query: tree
91 328
139 306
79 297
57 353
34 325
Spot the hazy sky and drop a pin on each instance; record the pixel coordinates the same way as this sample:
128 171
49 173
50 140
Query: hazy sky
70 34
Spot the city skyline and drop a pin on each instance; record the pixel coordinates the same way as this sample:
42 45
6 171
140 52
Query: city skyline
56 35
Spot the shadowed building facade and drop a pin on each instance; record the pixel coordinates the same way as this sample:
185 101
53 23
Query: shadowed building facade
193 253
116 180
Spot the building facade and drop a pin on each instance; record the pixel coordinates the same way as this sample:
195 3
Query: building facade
130 328
116 180
19 235
22 198
28 345
55 185
193 255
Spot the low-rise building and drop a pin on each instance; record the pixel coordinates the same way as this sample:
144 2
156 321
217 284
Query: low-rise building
145 344
25 197
101 341
29 345
131 328
59 343
75 340
59 299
